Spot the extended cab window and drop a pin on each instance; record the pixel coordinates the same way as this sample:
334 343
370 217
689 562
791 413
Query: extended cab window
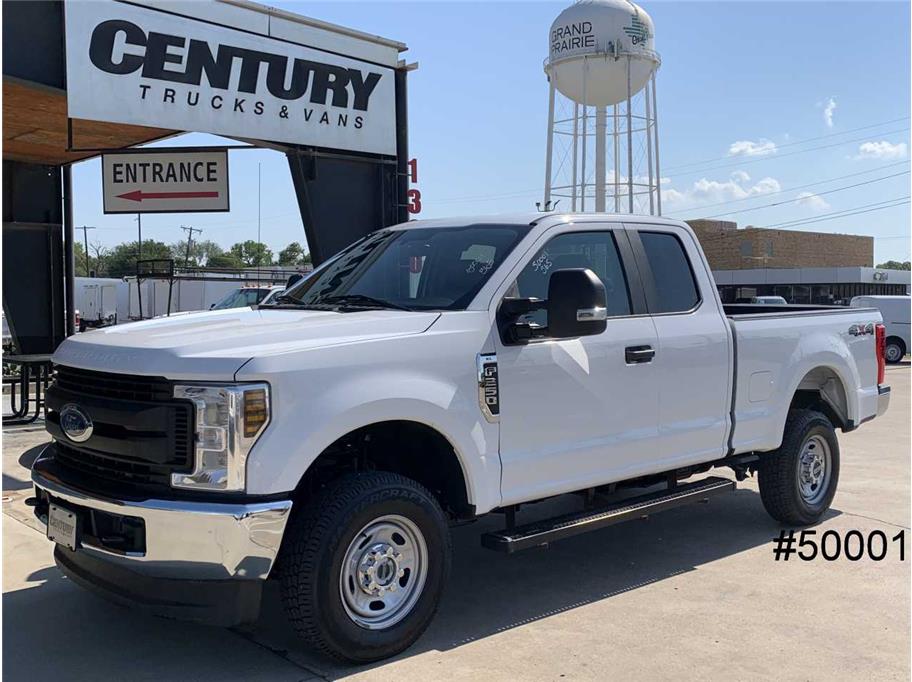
594 250
676 290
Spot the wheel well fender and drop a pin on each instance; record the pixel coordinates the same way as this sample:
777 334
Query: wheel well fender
411 448
823 389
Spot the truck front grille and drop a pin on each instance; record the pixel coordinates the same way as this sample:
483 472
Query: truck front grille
141 435
116 386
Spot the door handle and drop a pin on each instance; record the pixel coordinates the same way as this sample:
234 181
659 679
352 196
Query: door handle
635 355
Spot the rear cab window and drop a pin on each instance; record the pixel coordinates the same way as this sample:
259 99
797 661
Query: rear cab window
675 286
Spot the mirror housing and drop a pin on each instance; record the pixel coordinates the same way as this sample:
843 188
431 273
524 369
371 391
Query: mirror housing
576 304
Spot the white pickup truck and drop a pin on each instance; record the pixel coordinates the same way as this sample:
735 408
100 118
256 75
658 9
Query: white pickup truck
429 374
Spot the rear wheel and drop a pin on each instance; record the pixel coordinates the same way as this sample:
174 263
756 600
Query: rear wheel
798 481
895 350
364 565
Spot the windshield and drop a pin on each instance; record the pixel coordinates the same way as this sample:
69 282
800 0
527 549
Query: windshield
417 269
240 298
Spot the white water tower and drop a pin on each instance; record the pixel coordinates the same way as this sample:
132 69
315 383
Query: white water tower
601 71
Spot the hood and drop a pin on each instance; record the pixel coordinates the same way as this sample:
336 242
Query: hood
214 344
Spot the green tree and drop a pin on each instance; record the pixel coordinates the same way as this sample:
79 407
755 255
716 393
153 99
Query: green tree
252 254
224 260
122 259
96 263
895 265
292 254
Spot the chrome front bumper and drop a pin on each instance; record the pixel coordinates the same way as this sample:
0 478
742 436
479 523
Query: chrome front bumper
183 539
883 399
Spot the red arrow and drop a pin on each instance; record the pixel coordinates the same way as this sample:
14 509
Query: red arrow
139 195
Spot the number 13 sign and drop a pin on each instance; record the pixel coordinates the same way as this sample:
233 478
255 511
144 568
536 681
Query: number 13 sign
414 194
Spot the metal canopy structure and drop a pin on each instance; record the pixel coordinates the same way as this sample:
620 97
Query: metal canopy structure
342 193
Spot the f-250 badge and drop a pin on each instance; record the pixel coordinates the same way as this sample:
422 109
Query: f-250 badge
488 388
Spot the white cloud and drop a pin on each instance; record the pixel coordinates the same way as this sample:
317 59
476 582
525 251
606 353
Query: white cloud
705 191
813 201
761 147
882 150
828 109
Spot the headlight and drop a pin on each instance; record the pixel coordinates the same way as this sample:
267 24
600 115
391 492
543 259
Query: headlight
229 418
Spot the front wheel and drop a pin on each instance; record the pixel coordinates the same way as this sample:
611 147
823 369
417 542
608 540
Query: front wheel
798 481
364 565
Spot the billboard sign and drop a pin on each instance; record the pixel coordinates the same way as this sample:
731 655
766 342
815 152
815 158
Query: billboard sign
165 182
143 66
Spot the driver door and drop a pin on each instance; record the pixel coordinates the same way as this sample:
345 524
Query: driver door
578 412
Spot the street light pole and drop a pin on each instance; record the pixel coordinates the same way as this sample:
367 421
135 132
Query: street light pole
139 229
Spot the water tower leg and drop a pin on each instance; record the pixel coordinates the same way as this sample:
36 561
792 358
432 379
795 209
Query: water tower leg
600 130
550 145
575 155
655 134
616 140
649 130
629 142
585 136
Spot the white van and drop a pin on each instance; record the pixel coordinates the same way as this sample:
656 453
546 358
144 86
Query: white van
895 312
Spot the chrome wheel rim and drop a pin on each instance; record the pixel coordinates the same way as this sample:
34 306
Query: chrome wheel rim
814 468
383 572
893 353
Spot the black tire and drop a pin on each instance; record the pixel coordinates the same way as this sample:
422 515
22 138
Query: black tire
316 542
779 470
895 350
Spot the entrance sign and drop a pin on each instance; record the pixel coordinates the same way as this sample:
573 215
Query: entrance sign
142 66
165 182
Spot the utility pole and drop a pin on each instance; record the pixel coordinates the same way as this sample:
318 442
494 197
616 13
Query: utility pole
259 225
85 233
189 231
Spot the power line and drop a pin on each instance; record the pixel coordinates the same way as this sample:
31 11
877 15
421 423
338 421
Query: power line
844 213
769 157
741 162
796 187
819 194
796 142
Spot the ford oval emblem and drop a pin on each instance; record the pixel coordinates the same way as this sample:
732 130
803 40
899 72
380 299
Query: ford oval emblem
76 424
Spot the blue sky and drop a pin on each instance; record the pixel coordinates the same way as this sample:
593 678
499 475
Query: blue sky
758 102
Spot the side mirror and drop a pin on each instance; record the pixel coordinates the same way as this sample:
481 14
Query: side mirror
576 304
211 306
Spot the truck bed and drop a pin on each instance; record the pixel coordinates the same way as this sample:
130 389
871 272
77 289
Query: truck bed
780 349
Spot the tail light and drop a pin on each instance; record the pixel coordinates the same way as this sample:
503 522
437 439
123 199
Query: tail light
880 343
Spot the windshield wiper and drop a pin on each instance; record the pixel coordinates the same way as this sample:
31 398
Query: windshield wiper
362 300
285 298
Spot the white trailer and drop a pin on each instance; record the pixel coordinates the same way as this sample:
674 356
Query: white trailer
96 299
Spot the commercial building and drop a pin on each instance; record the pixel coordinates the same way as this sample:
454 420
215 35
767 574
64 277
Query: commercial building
802 267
